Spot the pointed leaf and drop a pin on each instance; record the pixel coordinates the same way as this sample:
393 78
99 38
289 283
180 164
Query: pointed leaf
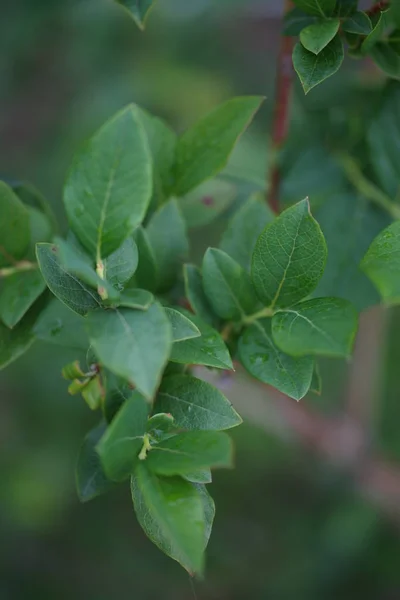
14 226
289 257
138 10
195 404
317 36
313 69
91 480
182 327
17 295
205 203
263 359
358 23
203 150
195 294
57 324
379 26
121 265
382 263
109 185
316 381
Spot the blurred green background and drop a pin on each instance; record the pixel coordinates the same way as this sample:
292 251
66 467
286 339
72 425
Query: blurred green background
289 525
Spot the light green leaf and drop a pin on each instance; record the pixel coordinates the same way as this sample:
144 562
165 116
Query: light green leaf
195 294
160 426
146 272
182 327
135 298
321 8
382 263
57 324
121 265
122 441
167 236
199 476
289 257
203 150
189 451
295 20
195 404
244 228
379 26
228 287
15 342
209 510
17 295
313 69
67 287
133 344
204 204
91 480
14 226
317 36
263 359
171 513
387 59
209 349
138 10
358 23
325 326
109 186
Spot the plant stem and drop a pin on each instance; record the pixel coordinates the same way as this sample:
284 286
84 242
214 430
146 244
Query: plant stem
280 123
264 312
366 187
19 267
377 7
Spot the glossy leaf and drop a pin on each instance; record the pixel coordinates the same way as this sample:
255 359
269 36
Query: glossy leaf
203 150
205 203
199 476
325 326
263 359
382 263
289 257
208 510
358 23
182 327
195 404
91 480
135 298
313 69
67 287
121 265
57 324
14 226
122 441
321 8
109 185
138 10
195 294
171 513
189 451
133 344
18 293
317 36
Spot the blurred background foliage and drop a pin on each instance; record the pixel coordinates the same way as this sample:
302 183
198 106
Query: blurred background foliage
289 525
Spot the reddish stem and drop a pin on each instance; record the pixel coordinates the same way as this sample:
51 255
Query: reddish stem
378 7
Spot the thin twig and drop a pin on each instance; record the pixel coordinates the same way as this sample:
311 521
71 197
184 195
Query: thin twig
19 267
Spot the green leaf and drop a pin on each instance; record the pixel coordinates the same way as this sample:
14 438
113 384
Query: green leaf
40 229
109 185
121 265
199 476
289 257
387 59
345 8
195 294
118 391
57 324
295 20
382 263
138 10
358 23
133 344
395 10
317 36
203 150
33 198
160 425
182 327
262 359
209 349
135 298
321 8
14 226
17 295
208 509
146 272
15 342
122 441
189 451
316 382
91 480
195 404
228 287
208 201
171 513
244 228
325 326
67 287
93 393
313 69
379 26
167 236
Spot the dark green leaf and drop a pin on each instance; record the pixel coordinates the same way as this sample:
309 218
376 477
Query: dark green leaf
91 480
382 263
262 359
321 8
146 272
316 382
246 225
118 391
345 8
171 513
325 326
121 265
15 342
358 23
68 288
135 298
289 257
209 349
317 36
189 451
138 10
199 476
295 20
313 69
195 404
182 327
18 293
167 236
395 8
133 344
33 198
205 203
195 294
57 324
109 185
377 32
203 150
122 441
387 59
14 226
